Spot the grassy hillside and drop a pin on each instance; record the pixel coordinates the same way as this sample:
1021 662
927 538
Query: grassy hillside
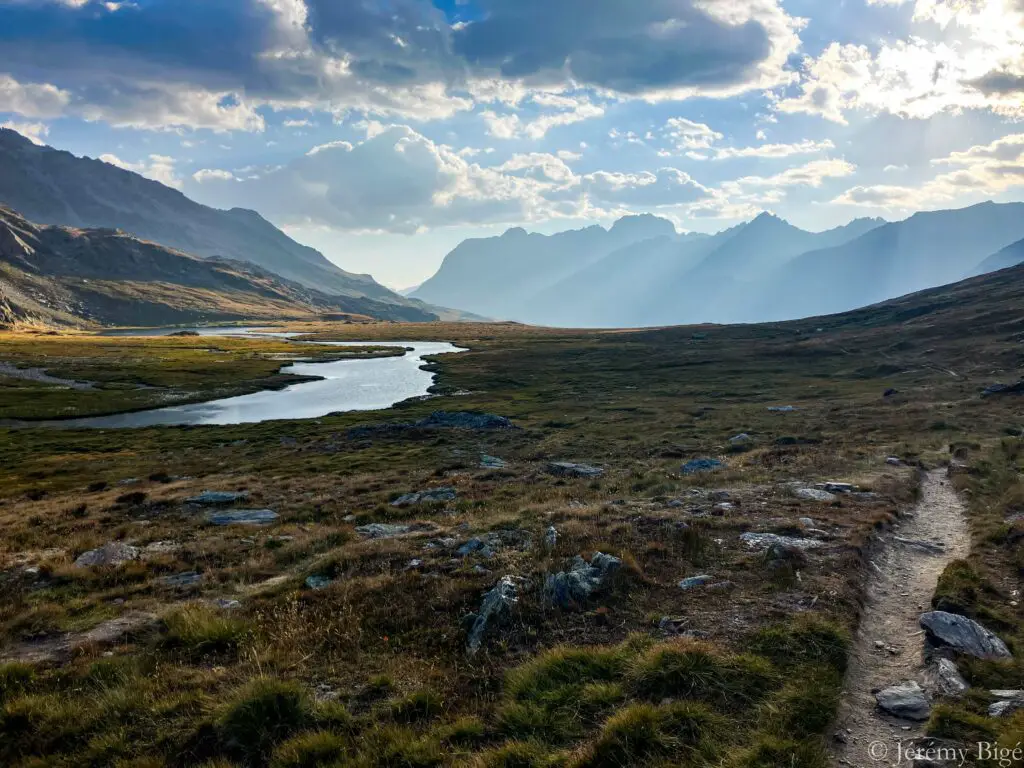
366 663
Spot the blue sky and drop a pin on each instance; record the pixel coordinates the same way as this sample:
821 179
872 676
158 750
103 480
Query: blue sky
386 131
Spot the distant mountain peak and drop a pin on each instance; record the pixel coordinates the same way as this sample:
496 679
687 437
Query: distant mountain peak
645 225
515 232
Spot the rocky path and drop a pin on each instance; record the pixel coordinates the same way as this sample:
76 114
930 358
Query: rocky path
889 645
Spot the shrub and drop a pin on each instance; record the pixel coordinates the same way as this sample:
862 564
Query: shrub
773 752
419 705
463 732
806 704
562 666
402 748
15 679
949 721
518 754
690 669
808 639
200 629
309 750
262 714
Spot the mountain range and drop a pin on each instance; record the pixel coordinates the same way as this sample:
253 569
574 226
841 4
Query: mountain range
52 275
640 272
50 186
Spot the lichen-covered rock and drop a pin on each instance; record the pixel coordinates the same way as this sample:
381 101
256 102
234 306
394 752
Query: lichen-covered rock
432 496
765 540
964 635
1008 703
570 589
494 611
382 530
948 678
815 494
113 554
551 539
696 581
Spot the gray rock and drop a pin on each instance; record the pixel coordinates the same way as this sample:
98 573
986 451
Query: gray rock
928 547
214 498
815 494
474 546
741 439
187 579
243 517
382 530
906 700
494 611
551 538
113 554
833 487
948 678
317 582
1009 702
964 635
432 496
492 462
765 540
464 420
696 581
806 522
157 548
568 469
894 461
699 466
227 604
572 588
414 565
782 408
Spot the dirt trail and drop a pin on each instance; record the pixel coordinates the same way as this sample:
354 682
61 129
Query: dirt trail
889 644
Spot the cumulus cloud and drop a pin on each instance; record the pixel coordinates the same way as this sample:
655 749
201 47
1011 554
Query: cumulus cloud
34 132
979 172
806 147
211 174
33 100
156 167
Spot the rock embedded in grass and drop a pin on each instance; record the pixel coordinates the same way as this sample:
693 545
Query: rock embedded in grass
495 610
318 582
242 517
964 635
692 582
492 462
948 678
906 700
698 466
215 498
765 540
814 494
187 579
572 588
432 496
464 420
568 469
1009 702
382 530
112 554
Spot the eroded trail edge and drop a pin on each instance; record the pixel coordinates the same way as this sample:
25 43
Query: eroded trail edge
889 645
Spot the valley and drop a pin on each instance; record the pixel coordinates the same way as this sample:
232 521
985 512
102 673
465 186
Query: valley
383 588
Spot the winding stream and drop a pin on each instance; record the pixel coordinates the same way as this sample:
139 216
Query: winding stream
345 385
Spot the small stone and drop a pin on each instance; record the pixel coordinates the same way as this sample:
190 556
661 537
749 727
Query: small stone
741 439
227 604
243 517
432 496
834 487
187 579
551 539
491 462
696 581
906 700
316 582
950 681
806 522
894 461
474 546
414 565
782 408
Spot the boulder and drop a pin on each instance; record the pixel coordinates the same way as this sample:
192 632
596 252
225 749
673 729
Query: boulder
491 462
1003 389
474 547
382 530
113 554
243 517
814 494
432 496
834 487
494 611
779 555
215 498
906 700
963 634
551 539
570 589
766 540
948 678
741 439
318 582
179 580
1008 703
568 469
698 466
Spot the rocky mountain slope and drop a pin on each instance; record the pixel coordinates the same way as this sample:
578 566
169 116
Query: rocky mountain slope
764 269
70 276
54 187
1009 256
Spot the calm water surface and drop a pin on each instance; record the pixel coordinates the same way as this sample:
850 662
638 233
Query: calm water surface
347 385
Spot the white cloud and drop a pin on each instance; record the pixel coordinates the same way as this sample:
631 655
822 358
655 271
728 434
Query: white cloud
212 174
34 132
32 100
806 147
298 123
156 167
685 134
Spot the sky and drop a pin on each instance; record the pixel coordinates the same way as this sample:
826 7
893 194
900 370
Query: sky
385 132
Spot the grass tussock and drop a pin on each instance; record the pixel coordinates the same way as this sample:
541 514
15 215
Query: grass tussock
199 629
